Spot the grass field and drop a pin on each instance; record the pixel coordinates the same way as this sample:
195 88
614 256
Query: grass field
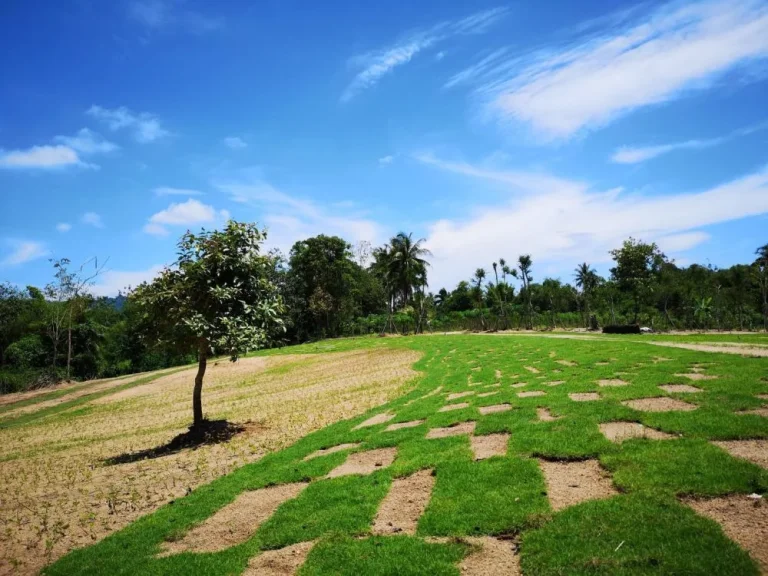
543 455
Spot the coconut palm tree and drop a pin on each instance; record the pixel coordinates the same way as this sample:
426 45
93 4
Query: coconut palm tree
524 265
408 265
479 277
586 280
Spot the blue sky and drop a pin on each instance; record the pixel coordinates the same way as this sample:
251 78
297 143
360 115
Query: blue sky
491 129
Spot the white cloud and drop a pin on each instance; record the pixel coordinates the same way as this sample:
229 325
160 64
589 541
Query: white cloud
235 143
637 154
24 251
146 127
169 191
290 219
92 219
186 213
111 282
167 15
87 142
45 157
374 65
385 160
571 223
673 51
63 227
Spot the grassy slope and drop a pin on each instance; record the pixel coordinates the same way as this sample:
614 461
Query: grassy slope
659 535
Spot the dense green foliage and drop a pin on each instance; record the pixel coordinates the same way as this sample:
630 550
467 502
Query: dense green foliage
331 289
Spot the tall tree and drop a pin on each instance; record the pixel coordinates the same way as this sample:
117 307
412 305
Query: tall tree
524 266
586 279
408 265
218 299
478 290
637 269
761 265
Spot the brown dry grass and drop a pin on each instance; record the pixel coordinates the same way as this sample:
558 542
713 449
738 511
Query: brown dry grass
58 496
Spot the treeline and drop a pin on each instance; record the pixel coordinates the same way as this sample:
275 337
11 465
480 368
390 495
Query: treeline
330 288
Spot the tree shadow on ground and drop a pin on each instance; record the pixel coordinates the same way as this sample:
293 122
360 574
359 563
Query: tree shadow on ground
209 432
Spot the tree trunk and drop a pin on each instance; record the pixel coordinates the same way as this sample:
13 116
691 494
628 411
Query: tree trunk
197 395
69 342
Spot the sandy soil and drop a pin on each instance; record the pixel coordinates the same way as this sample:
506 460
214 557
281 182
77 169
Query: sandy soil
489 445
545 415
402 425
584 396
493 556
58 495
283 562
620 431
365 462
753 450
406 501
456 430
494 409
660 404
569 483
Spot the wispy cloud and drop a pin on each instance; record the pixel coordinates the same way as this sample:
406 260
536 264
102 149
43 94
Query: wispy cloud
87 142
92 219
63 227
66 151
372 66
235 143
662 56
169 191
145 126
637 154
43 157
189 213
386 160
290 219
23 251
581 222
171 15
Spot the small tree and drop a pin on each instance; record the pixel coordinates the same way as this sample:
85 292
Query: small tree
637 270
218 299
761 275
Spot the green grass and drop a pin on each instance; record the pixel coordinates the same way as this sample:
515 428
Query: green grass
642 531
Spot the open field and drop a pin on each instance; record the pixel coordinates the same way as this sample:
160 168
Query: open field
545 455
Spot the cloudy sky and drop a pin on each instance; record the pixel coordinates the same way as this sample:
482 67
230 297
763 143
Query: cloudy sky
490 129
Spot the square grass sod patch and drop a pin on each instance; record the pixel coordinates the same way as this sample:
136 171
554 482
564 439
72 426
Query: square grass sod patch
383 556
682 467
494 496
344 505
628 536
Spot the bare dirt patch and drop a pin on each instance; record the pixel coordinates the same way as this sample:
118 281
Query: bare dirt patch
519 384
763 396
493 556
584 396
531 394
531 369
332 450
402 425
283 562
434 392
457 395
755 451
679 388
660 404
375 420
743 519
756 411
568 363
486 394
556 383
620 431
612 382
569 483
489 445
451 407
455 430
494 409
544 415
235 522
57 496
724 347
698 376
497 373
404 504
365 462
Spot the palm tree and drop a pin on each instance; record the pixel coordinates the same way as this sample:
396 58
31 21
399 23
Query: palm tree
762 279
524 264
586 279
408 266
479 277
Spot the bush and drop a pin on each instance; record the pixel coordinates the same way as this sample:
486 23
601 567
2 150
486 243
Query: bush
29 352
622 329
